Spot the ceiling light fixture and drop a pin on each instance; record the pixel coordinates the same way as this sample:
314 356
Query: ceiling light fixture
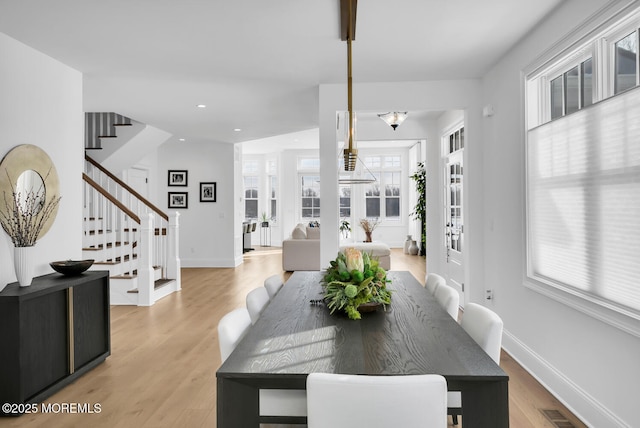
201 106
237 129
393 119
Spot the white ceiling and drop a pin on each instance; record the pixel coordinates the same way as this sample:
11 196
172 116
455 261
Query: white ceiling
257 64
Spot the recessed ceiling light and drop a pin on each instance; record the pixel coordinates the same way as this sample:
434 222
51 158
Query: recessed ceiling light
201 106
237 129
181 139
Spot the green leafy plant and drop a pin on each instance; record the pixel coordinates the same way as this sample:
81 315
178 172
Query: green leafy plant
345 228
355 279
420 210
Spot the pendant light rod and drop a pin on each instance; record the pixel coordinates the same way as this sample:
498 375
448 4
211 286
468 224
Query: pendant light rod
348 24
350 94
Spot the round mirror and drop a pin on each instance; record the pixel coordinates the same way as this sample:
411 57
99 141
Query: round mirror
28 170
30 191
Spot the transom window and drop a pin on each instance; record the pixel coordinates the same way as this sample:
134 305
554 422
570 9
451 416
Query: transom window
626 63
572 90
456 141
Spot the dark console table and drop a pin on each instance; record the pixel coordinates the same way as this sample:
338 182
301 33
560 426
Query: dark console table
52 332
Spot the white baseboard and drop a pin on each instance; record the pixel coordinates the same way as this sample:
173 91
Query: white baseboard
582 404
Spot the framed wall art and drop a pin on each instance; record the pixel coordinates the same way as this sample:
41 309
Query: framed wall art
178 200
177 178
207 192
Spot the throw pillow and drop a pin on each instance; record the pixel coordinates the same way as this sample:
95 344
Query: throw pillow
299 232
313 233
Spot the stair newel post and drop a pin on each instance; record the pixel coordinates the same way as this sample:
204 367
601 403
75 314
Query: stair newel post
173 249
145 268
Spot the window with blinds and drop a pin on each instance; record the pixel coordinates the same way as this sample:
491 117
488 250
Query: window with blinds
583 169
583 202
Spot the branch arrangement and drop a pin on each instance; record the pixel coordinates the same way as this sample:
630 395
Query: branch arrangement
24 216
369 225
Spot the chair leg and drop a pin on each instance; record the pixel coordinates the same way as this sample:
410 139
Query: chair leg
455 419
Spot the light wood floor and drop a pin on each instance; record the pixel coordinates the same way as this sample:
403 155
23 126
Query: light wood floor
161 372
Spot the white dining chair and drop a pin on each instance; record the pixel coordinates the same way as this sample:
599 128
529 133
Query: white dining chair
231 329
449 299
432 281
279 403
485 327
273 284
257 299
347 401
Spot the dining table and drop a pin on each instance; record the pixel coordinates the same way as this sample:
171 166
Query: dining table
296 335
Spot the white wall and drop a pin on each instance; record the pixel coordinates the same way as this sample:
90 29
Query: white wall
208 236
41 104
592 366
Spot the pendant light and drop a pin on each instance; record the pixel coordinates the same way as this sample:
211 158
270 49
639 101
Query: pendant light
393 119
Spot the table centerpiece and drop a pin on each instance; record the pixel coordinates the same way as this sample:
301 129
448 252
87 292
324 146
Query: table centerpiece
355 283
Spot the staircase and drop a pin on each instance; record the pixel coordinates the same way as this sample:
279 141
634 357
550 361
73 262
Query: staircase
101 125
131 238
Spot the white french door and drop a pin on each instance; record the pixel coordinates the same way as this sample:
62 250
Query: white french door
454 219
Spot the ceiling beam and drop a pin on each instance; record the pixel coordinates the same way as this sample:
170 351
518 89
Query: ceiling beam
348 19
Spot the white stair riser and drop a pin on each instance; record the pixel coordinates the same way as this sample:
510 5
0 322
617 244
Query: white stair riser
119 291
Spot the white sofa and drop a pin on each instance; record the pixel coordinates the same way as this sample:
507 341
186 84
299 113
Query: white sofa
378 250
301 251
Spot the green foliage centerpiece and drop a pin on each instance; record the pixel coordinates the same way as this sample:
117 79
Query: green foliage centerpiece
353 281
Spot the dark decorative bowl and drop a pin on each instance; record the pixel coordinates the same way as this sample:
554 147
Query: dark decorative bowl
71 267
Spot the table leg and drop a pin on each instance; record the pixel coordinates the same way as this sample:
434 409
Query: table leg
485 404
237 404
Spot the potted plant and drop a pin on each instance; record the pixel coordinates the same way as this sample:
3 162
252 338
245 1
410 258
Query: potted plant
420 210
355 283
345 228
265 219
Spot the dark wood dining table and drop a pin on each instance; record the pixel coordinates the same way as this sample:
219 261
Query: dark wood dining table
414 335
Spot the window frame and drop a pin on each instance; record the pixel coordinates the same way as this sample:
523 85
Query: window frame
559 71
272 190
303 170
598 35
301 197
246 199
379 172
609 46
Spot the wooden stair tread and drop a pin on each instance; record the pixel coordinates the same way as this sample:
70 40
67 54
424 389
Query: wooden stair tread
109 245
123 276
157 284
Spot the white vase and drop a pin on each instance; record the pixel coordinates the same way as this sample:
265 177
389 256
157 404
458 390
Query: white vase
23 264
413 249
407 244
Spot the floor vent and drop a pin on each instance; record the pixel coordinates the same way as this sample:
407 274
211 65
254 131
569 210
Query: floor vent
557 418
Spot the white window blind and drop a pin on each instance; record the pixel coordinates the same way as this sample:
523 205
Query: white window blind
583 201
